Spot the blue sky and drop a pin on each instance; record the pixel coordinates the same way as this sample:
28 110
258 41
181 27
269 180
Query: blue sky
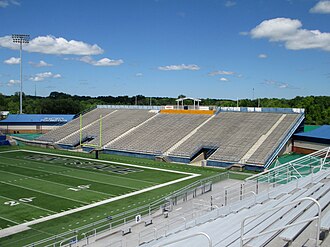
199 48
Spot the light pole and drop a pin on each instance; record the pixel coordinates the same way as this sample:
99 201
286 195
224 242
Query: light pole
21 38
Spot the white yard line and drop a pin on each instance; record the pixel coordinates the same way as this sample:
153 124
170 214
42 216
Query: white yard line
9 151
22 227
63 185
9 220
65 175
42 192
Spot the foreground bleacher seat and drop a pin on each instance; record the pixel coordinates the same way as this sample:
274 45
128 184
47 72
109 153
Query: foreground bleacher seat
284 207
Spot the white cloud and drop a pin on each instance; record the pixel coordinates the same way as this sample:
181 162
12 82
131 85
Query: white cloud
221 72
12 60
230 3
179 67
102 62
262 56
276 29
290 32
322 7
280 85
13 82
223 79
40 64
6 3
43 76
108 62
138 74
52 45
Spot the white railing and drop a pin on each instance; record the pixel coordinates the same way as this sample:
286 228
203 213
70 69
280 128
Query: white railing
318 223
209 241
301 167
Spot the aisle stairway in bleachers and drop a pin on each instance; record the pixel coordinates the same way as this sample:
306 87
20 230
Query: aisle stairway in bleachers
159 134
234 134
272 141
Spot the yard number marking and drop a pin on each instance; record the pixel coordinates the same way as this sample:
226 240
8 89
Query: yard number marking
80 187
15 203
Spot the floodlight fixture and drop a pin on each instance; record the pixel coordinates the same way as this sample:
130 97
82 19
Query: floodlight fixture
21 39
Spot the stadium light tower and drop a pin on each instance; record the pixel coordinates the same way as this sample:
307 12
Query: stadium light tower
21 39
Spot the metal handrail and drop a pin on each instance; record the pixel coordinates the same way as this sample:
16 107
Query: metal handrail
318 218
325 158
74 237
154 232
189 236
285 164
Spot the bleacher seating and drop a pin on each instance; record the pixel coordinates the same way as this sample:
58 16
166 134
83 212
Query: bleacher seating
234 134
159 134
267 218
116 124
250 128
74 125
233 137
273 140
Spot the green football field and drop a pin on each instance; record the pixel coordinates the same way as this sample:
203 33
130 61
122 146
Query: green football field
54 193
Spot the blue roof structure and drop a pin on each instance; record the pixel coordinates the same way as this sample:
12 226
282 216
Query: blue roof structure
37 118
321 134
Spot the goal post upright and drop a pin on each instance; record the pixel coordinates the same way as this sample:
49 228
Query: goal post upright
100 131
80 134
98 145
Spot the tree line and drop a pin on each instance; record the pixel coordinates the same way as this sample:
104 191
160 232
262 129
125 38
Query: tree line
317 108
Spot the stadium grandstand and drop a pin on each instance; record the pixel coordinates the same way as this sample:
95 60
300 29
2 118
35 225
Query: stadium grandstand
224 136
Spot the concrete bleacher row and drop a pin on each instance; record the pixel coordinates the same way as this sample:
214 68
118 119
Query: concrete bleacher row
159 134
273 140
267 218
114 124
233 135
73 126
251 127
